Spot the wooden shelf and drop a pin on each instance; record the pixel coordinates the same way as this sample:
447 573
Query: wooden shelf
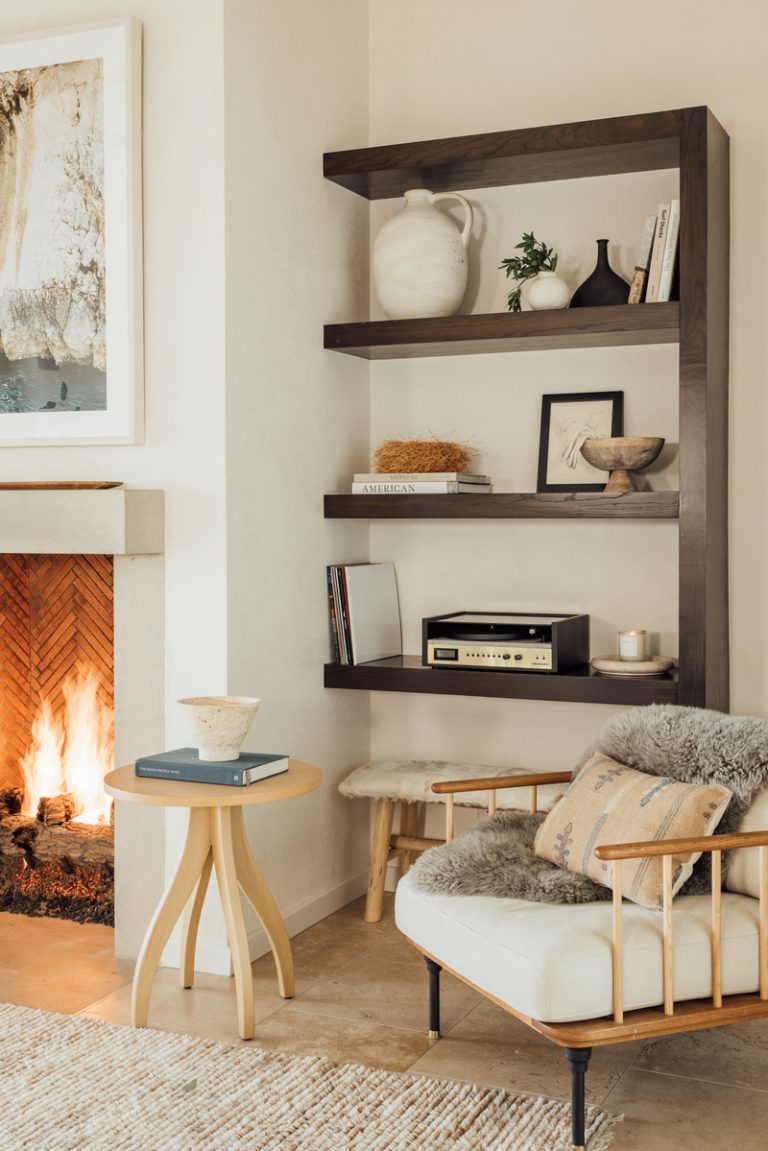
522 156
691 140
507 505
582 685
618 325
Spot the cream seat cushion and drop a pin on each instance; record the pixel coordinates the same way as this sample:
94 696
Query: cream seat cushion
552 962
411 780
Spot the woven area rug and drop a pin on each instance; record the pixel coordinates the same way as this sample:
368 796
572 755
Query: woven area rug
69 1083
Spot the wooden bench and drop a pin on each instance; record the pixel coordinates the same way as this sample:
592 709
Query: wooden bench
409 782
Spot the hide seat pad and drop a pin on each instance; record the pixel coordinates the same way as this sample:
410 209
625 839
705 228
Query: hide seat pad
552 962
410 781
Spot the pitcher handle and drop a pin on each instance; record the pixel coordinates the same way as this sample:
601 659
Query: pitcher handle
467 211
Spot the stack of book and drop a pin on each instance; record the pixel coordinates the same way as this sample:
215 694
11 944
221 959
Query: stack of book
185 764
418 483
364 612
657 256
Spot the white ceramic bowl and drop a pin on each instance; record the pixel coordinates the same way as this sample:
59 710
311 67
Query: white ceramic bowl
219 724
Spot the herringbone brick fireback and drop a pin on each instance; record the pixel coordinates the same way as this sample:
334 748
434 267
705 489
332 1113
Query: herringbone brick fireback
56 613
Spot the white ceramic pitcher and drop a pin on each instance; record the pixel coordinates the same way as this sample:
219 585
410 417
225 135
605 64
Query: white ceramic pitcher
420 258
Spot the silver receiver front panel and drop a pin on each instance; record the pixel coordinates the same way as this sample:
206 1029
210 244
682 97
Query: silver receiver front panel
501 655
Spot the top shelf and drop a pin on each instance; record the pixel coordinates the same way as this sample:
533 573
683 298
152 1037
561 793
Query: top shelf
529 155
617 325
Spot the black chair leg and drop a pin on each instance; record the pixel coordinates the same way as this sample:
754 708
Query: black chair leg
434 970
578 1061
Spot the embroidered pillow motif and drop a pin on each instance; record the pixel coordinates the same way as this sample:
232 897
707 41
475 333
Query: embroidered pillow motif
611 803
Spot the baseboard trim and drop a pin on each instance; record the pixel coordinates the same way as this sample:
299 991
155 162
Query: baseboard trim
215 959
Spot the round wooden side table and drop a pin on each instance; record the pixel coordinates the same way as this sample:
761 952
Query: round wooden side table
215 838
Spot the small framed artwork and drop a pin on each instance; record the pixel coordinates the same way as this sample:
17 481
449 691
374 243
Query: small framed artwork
566 422
71 352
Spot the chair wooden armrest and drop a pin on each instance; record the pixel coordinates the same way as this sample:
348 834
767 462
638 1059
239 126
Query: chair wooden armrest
701 843
492 784
496 782
667 849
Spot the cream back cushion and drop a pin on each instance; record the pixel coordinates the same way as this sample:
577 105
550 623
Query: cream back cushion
744 869
611 803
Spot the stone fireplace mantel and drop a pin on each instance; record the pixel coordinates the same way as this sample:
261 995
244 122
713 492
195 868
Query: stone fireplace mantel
117 521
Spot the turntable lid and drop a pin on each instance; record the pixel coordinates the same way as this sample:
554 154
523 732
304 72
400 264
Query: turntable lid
502 619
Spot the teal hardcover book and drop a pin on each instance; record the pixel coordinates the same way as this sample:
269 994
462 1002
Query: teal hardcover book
185 764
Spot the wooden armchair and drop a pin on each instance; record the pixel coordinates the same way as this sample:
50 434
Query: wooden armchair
652 990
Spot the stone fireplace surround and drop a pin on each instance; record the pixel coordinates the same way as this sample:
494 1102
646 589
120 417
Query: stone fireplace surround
128 524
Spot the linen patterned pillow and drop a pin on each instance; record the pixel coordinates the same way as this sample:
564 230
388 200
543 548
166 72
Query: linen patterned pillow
611 803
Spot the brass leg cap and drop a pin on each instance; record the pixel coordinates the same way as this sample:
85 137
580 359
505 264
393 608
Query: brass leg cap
433 1034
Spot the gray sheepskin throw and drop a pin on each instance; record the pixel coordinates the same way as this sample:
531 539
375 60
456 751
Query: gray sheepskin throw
688 744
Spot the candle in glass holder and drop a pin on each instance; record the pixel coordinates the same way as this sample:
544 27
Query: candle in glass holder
632 645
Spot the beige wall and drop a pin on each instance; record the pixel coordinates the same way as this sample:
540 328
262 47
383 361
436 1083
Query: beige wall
297 418
439 68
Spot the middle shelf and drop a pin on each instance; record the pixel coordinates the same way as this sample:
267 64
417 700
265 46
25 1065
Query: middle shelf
507 505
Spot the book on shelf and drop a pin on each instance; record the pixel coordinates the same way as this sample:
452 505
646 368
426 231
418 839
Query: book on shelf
642 260
184 764
657 255
363 600
418 477
417 487
669 257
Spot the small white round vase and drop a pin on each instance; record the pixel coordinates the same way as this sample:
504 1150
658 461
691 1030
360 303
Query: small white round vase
420 258
219 724
546 290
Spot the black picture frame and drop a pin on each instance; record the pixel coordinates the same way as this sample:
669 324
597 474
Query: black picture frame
604 411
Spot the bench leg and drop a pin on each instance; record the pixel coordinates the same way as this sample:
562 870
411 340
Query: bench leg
379 858
434 970
409 818
578 1061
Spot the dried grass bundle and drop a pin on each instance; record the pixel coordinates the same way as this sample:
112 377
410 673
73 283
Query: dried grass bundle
422 456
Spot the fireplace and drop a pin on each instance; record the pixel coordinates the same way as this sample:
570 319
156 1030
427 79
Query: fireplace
66 615
56 735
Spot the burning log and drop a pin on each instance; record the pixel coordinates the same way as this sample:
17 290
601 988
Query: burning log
10 800
77 843
56 809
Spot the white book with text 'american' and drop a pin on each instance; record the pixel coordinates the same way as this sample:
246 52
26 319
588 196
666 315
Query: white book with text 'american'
374 611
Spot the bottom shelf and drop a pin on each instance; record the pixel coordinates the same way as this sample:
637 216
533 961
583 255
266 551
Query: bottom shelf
580 685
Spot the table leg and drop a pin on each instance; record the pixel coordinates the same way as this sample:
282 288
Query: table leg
190 924
261 900
190 866
226 875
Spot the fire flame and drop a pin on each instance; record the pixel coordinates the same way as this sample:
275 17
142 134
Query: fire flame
71 754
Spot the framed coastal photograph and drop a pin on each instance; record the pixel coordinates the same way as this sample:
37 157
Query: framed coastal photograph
566 422
71 349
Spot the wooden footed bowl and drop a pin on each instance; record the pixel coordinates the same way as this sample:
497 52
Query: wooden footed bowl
621 455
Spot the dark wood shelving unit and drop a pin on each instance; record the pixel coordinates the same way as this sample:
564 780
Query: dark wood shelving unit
616 326
507 505
691 140
582 685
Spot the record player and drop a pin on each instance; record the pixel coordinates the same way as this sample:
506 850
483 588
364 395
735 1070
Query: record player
505 641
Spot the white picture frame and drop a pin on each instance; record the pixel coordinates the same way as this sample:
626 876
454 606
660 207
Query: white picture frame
71 308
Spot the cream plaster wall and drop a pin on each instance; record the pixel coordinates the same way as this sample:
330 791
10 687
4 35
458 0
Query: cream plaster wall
297 418
438 69
184 371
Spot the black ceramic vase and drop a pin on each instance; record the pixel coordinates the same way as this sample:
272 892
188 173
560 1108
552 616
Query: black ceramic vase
604 286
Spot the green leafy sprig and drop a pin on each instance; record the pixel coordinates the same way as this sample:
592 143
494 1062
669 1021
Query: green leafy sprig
536 257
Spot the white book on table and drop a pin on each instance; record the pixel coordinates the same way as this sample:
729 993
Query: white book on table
373 611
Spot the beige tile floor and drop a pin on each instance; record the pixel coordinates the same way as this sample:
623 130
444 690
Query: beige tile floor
361 996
